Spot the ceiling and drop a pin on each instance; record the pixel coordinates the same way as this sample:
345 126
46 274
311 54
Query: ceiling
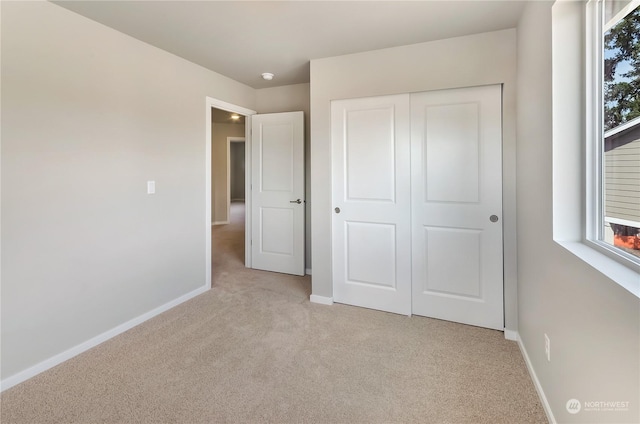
219 116
242 39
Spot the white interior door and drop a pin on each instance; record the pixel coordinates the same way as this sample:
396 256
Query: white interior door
456 149
371 196
277 192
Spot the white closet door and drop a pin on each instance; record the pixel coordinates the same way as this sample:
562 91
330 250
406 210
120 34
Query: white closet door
456 164
371 197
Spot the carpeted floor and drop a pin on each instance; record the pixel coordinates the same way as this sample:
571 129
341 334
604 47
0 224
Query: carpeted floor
254 349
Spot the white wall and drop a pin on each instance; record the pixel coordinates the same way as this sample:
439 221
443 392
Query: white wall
293 98
88 116
593 324
219 174
482 59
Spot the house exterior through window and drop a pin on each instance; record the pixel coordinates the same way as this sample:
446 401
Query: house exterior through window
622 186
615 124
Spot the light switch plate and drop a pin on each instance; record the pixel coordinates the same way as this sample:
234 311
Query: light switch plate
151 187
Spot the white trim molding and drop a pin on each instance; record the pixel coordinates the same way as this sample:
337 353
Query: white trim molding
322 300
626 222
534 378
94 341
511 335
219 104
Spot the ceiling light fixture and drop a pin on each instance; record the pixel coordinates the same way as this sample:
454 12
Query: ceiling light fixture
235 117
267 76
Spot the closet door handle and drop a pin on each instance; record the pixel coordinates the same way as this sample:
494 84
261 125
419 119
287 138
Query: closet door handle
298 201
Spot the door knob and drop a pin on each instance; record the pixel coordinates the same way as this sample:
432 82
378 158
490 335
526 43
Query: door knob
298 201
493 218
337 210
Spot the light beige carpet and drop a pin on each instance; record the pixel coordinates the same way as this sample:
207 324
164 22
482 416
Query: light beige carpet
253 349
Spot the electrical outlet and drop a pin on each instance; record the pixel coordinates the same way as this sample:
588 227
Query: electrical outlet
547 347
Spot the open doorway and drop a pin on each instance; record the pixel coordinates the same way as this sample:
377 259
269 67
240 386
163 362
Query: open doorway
227 129
227 187
274 223
225 120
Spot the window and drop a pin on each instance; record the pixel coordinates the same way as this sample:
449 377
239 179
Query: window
613 133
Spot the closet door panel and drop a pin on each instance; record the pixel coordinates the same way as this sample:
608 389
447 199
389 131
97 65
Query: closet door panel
372 204
456 151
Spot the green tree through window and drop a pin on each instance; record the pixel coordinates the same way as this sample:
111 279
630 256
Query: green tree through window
622 71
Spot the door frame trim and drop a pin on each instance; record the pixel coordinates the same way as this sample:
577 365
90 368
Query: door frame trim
210 103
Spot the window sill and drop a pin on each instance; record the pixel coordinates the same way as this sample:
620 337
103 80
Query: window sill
620 274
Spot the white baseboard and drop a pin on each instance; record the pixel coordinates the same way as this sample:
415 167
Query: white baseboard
536 382
322 300
307 271
511 335
101 338
220 223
